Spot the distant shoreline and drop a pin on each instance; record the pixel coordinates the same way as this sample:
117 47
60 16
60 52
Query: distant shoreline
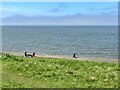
62 25
83 58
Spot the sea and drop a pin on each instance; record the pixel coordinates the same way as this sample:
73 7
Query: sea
89 41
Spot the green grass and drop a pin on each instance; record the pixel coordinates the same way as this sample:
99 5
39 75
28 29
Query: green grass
39 72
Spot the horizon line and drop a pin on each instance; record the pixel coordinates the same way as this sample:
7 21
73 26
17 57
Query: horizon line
58 25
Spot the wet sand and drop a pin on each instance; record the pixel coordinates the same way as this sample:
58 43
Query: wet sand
84 58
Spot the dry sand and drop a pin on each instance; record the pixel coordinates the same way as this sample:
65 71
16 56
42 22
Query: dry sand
70 57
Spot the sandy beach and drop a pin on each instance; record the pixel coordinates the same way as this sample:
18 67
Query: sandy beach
70 57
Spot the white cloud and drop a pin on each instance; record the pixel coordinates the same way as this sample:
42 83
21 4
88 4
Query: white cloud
59 8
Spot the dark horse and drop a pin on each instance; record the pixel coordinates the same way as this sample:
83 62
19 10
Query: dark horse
29 55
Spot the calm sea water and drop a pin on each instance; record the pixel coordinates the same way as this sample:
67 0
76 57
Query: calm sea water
93 41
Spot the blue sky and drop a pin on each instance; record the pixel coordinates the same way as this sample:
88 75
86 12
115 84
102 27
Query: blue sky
69 12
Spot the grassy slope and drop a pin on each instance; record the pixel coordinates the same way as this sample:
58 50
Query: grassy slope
58 73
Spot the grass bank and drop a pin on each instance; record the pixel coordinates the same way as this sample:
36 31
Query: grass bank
40 72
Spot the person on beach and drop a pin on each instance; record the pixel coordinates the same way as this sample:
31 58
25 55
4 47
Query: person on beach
33 54
74 55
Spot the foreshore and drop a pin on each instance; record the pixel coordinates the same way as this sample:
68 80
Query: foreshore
84 58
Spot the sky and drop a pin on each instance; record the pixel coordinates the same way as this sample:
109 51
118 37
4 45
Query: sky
59 13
